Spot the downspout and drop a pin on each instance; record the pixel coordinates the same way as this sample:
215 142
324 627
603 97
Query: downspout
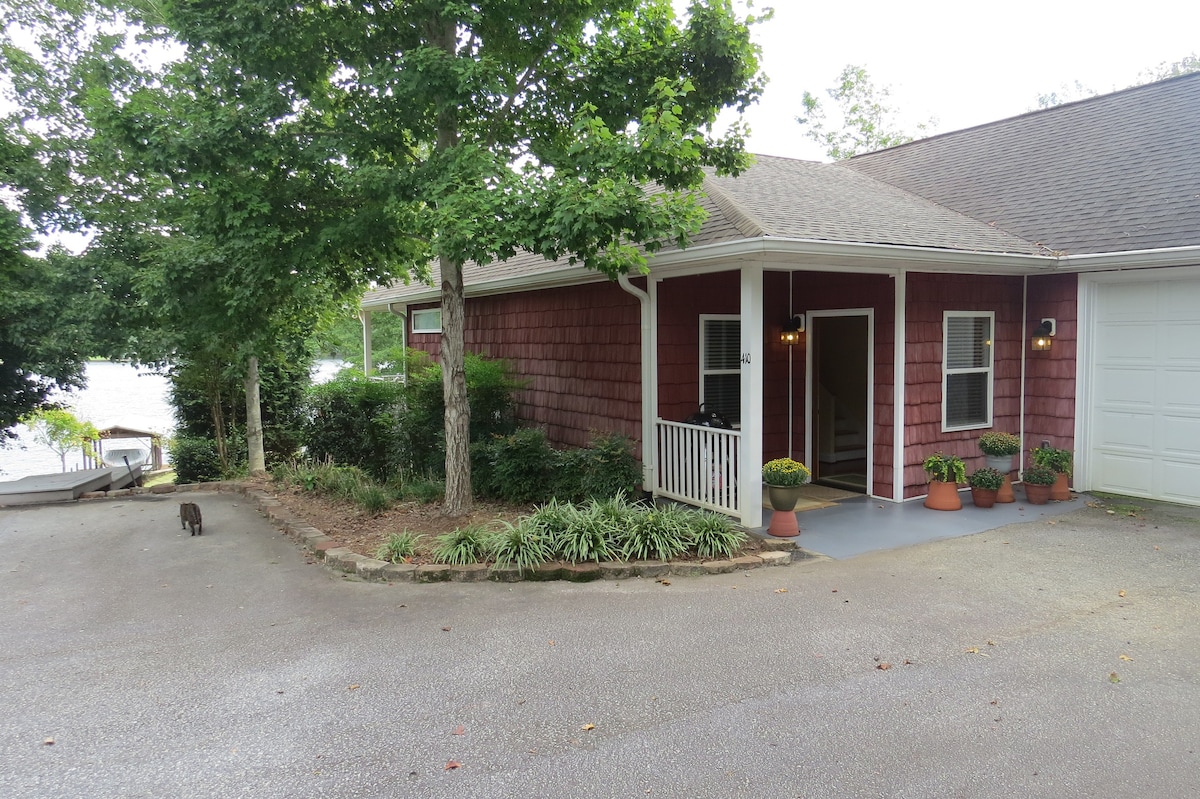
403 339
1021 339
364 317
649 385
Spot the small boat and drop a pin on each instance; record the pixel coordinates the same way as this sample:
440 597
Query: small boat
116 457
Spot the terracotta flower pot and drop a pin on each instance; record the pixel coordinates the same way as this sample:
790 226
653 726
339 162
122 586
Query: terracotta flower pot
1037 494
984 497
1005 492
1060 491
783 520
943 496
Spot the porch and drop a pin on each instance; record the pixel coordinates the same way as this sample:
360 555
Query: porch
860 525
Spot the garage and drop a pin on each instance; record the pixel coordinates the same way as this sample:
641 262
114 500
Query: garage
1142 428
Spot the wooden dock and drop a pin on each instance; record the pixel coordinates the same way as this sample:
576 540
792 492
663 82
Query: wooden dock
65 486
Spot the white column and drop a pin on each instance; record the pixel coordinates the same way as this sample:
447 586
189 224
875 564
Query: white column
751 456
899 384
364 316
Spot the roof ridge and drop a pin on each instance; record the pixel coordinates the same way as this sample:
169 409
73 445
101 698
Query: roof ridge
741 219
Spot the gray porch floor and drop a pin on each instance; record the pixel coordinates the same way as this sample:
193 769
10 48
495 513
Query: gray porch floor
859 525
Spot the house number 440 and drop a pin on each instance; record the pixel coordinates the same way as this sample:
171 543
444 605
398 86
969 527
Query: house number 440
745 357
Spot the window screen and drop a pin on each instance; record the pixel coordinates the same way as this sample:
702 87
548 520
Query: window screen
967 386
720 366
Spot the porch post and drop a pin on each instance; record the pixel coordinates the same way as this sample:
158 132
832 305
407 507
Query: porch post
750 459
364 316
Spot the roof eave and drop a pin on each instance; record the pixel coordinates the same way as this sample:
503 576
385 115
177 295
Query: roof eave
1134 259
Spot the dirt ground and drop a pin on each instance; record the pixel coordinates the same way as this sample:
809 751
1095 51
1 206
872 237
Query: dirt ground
362 532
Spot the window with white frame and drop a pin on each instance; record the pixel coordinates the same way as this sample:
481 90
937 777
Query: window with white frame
428 320
721 366
967 372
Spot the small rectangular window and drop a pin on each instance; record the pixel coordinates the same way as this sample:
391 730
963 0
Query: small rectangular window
721 366
967 372
428 320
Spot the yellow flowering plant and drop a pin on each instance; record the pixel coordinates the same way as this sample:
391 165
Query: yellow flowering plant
785 472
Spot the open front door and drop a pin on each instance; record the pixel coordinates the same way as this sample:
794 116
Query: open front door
840 399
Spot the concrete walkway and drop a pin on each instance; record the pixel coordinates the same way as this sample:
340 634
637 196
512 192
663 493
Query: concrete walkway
1054 658
860 525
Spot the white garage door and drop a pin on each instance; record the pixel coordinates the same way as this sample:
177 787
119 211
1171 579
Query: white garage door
1145 397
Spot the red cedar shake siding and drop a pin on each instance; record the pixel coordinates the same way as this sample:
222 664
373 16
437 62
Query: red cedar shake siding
929 295
683 300
578 350
1050 375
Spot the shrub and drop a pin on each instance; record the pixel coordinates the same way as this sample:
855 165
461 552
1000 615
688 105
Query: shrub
713 536
425 491
372 498
521 545
398 548
659 533
1057 459
352 420
522 466
462 547
606 468
490 390
195 459
592 531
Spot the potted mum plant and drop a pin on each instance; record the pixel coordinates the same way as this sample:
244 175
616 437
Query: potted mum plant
1038 480
945 473
784 478
998 450
985 483
1060 461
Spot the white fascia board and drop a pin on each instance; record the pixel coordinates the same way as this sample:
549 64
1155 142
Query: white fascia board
1135 259
795 254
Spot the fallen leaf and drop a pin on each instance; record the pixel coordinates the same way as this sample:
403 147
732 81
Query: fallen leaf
907 662
354 687
664 582
48 742
834 591
1156 549
1113 678
973 650
1120 593
588 727
445 629
781 590
991 643
453 764
552 642
1126 657
994 702
1111 512
459 730
884 666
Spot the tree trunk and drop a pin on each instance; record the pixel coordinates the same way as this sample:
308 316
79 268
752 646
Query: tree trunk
454 392
254 429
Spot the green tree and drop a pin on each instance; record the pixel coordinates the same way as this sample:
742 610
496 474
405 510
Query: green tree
865 120
475 130
61 432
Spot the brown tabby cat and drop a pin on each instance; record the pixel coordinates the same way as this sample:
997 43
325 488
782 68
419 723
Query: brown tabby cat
189 513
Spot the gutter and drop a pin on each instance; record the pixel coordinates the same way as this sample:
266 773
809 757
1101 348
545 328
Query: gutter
649 400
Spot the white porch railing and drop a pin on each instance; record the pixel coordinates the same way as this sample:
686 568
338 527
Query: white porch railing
697 465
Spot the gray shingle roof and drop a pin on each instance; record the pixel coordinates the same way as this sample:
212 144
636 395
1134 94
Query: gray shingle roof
1113 173
785 198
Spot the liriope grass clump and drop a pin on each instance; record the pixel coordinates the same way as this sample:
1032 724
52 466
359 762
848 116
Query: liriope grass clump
398 547
522 545
464 546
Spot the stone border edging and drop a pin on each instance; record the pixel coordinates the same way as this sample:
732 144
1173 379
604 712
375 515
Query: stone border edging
776 552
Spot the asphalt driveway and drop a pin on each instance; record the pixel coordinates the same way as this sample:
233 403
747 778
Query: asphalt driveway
1057 658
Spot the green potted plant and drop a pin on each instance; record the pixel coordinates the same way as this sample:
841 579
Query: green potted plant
784 478
985 483
1038 480
998 450
1060 461
945 473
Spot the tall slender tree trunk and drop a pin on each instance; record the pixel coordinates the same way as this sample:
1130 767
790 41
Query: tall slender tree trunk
254 428
443 33
454 391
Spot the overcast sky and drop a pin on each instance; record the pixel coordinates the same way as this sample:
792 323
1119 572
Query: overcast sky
963 62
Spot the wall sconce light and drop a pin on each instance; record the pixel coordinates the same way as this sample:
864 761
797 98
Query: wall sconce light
1043 335
792 330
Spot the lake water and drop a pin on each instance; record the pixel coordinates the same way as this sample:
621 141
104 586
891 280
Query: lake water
116 394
